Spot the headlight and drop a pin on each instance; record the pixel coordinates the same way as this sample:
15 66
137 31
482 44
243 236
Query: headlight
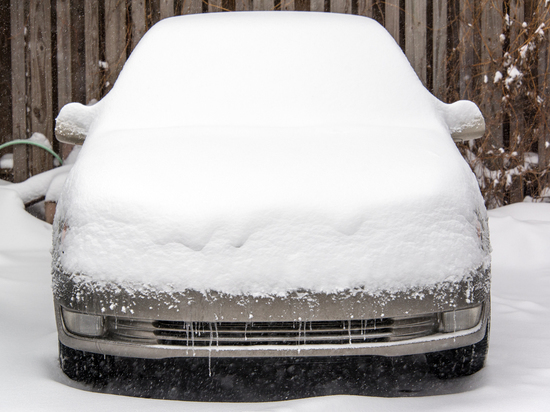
458 320
83 324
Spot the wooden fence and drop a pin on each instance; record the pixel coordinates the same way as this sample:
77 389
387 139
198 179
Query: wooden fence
58 51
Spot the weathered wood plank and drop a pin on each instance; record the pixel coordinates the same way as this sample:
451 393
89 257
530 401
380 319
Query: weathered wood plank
261 5
392 18
517 120
317 5
64 60
139 21
491 53
243 5
166 8
440 25
192 7
18 88
467 48
41 80
78 51
91 44
115 39
340 6
5 75
215 6
543 117
364 7
416 36
289 5
64 51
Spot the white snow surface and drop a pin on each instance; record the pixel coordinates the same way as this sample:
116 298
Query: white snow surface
264 214
259 164
516 377
38 185
6 161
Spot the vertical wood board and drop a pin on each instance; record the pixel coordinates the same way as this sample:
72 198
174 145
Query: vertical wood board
491 53
214 6
340 6
18 88
392 18
288 5
64 49
166 8
543 117
139 23
41 110
191 7
115 39
440 24
466 47
18 78
243 5
364 7
317 5
263 5
517 123
416 36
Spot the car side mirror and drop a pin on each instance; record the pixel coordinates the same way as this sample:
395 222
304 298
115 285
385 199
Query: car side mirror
73 123
464 120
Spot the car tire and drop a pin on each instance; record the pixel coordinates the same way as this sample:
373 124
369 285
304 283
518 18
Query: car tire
454 363
89 368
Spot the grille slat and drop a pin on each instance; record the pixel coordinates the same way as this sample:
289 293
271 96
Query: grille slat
340 332
269 339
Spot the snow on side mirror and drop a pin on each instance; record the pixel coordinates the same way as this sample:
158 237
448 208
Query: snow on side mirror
73 123
464 120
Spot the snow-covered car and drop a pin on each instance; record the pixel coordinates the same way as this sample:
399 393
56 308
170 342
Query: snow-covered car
270 186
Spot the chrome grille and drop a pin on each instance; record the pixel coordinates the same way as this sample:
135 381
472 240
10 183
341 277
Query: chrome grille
337 332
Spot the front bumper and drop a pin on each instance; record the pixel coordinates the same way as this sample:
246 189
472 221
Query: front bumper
142 323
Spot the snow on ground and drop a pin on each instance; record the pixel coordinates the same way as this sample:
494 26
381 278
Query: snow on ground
517 375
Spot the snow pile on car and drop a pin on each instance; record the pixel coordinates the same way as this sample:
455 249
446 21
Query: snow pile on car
266 153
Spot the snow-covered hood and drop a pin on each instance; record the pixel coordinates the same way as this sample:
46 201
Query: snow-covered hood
272 211
307 157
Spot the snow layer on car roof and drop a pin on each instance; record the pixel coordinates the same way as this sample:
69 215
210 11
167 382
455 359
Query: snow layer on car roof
258 198
268 70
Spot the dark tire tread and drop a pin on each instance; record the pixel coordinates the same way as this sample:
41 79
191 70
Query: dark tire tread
455 363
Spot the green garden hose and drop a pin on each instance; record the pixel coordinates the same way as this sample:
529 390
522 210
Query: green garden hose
30 142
